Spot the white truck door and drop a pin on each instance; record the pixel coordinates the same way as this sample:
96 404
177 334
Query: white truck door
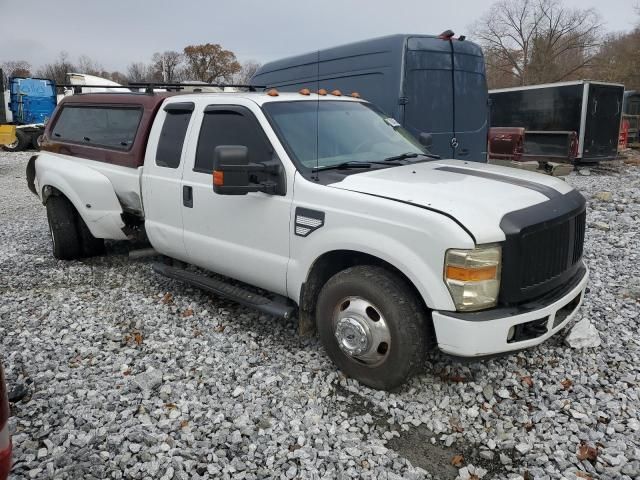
245 237
162 179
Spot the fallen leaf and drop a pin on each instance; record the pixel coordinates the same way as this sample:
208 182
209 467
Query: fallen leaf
583 475
455 425
167 298
188 312
137 337
585 452
566 384
457 460
184 424
170 406
528 381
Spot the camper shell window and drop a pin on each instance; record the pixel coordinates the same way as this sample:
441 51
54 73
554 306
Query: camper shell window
112 127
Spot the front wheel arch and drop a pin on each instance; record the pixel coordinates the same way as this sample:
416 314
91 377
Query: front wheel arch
330 263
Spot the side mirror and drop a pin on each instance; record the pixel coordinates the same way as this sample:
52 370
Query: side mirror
233 174
426 139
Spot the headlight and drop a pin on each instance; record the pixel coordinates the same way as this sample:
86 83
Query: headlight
473 277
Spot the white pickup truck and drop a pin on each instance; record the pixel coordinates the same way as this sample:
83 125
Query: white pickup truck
331 209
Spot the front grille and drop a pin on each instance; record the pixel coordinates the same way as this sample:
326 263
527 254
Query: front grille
549 252
543 248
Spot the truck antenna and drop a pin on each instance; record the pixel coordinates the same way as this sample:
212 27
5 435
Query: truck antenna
317 170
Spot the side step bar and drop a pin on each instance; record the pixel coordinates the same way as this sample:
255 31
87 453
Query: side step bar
223 289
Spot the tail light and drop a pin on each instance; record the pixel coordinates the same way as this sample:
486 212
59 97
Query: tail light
573 146
5 439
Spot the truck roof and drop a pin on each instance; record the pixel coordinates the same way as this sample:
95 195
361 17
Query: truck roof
152 101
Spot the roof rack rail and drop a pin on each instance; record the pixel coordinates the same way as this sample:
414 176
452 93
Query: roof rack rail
179 86
149 87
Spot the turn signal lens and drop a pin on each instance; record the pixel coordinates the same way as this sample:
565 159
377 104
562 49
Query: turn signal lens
218 178
473 276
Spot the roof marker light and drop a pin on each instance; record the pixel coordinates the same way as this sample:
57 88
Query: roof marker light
304 91
355 95
273 92
446 35
336 93
322 91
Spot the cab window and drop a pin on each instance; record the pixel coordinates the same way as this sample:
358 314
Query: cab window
230 125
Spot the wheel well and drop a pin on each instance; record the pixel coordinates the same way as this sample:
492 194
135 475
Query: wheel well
48 191
330 263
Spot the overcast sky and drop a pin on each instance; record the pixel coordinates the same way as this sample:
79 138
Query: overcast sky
117 32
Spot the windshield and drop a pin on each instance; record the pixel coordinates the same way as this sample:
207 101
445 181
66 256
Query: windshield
326 133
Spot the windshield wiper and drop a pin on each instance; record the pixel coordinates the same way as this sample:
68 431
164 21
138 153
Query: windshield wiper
352 164
406 156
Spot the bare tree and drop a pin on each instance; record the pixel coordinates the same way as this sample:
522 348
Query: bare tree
167 66
534 41
210 62
247 70
90 67
118 77
618 60
139 72
57 71
15 68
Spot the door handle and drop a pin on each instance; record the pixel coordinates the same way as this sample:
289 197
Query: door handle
187 196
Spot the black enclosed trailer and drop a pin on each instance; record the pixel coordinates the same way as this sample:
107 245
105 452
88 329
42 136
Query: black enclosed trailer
429 84
553 111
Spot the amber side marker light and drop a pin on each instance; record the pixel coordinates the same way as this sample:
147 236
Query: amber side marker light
322 91
273 92
472 274
218 178
305 91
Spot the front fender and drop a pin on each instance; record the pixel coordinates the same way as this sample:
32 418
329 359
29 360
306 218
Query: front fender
410 261
90 192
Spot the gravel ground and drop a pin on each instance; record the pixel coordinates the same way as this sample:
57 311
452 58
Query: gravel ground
120 373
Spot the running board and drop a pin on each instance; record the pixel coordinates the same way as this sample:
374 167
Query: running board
223 289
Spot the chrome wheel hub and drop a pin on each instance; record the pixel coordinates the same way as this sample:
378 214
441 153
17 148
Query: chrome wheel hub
353 336
361 331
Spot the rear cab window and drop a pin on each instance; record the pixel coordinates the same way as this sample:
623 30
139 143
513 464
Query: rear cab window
112 127
173 133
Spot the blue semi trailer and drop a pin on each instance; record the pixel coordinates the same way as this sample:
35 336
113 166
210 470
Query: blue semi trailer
429 84
27 105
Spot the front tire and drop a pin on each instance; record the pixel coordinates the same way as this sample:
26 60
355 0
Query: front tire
373 326
62 225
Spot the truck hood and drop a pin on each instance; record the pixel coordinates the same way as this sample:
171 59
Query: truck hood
476 195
